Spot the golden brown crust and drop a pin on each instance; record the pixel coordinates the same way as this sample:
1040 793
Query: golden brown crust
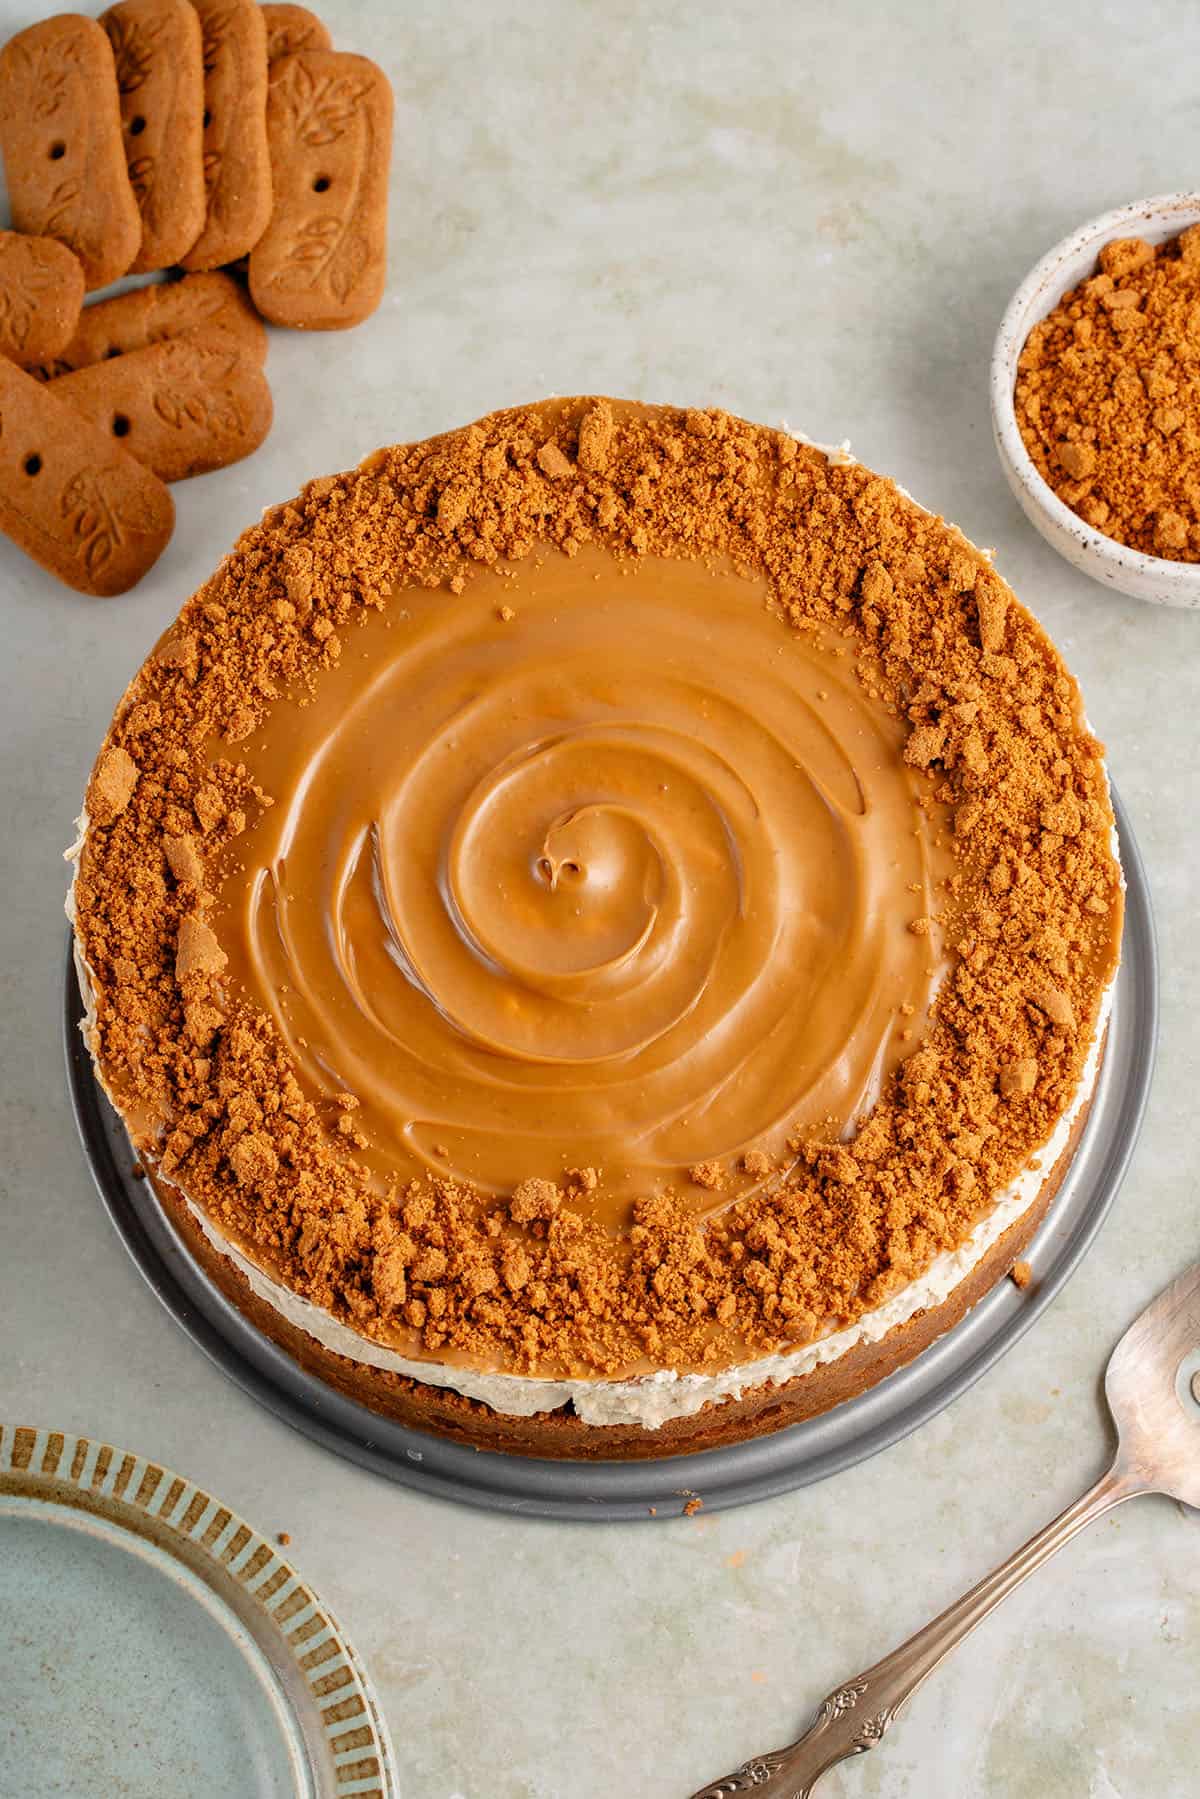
561 1435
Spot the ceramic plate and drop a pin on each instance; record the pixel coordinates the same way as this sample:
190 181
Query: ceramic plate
153 1643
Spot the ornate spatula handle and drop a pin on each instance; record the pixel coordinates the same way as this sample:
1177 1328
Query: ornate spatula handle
796 1769
854 1718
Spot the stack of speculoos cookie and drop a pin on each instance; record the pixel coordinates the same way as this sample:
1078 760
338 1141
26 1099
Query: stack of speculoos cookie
197 136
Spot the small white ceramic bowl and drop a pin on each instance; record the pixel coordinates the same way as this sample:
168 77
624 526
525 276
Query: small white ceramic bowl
1146 577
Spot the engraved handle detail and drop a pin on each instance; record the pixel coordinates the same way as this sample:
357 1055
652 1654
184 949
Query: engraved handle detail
854 1718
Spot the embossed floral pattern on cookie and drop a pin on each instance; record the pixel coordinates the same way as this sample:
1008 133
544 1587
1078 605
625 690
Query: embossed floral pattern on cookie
322 262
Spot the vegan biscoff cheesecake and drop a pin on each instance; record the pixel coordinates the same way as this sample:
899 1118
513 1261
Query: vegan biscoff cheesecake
600 927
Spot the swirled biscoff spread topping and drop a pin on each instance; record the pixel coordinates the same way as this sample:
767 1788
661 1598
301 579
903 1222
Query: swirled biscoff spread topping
595 865
604 889
1107 396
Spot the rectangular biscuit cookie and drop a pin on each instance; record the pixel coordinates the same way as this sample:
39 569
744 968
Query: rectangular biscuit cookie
160 77
60 131
41 293
150 314
237 167
71 497
182 407
322 261
292 28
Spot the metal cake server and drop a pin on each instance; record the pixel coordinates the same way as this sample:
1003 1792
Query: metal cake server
1153 1390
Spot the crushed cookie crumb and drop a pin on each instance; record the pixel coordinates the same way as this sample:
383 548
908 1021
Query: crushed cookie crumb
1054 1002
111 787
184 860
1018 1078
534 1199
554 463
253 1159
596 430
197 951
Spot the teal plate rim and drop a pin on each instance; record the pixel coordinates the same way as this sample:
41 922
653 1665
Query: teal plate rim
341 1735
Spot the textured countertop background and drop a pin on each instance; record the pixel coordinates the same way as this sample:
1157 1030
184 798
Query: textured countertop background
802 212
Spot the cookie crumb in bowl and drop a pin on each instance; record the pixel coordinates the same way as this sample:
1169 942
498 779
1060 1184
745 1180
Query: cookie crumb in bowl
1165 579
1108 396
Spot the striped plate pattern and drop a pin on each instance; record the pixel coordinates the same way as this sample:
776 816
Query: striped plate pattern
151 1501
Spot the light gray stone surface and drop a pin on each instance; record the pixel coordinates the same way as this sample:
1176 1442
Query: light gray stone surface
802 212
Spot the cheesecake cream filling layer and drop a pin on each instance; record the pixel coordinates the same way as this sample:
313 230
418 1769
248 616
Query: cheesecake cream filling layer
651 1400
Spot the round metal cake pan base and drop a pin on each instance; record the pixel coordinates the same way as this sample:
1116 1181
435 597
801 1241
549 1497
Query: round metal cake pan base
720 1478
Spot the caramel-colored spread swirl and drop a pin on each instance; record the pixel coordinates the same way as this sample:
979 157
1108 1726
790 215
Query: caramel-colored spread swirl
592 866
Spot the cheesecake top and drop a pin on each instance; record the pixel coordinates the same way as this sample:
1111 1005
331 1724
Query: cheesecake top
608 888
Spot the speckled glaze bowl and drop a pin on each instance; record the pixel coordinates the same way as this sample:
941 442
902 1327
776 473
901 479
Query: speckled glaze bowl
1145 577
